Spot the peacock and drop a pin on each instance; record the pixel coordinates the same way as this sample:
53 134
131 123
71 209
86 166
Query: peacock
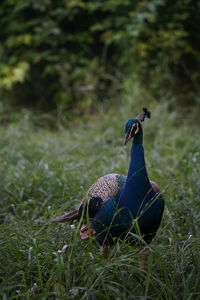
128 208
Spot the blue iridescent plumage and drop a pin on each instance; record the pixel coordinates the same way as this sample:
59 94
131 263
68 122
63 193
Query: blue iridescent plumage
137 208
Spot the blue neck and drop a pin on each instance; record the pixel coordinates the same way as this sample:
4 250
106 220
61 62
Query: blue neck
137 188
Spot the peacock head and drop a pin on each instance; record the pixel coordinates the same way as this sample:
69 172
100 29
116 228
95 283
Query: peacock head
133 126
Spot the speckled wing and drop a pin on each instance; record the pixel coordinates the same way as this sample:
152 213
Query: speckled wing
105 187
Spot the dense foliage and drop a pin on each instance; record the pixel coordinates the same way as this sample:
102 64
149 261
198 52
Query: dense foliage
69 52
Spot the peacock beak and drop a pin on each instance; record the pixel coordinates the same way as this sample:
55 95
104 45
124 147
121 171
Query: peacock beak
126 138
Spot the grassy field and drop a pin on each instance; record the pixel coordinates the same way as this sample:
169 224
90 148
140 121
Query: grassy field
46 172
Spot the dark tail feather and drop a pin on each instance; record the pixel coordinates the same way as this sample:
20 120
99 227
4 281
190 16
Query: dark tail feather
66 217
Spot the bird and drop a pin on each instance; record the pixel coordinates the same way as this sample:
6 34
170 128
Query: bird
137 208
122 207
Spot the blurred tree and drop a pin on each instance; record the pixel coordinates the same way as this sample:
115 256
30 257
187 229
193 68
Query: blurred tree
166 46
72 53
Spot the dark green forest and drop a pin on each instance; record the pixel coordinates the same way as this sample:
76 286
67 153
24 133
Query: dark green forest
71 54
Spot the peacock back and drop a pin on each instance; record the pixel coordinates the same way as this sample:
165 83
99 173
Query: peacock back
105 187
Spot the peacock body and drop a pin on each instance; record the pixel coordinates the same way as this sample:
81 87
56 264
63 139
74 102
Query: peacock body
137 208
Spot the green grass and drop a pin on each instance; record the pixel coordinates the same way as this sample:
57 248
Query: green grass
44 173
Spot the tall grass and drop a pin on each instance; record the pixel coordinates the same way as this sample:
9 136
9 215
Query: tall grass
44 173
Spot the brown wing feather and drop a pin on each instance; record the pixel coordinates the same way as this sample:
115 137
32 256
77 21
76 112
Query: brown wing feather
105 187
70 216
